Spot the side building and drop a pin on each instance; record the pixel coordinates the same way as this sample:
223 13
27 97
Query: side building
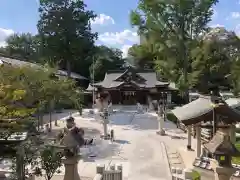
130 86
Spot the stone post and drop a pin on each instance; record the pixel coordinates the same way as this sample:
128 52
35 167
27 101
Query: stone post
198 135
160 126
189 131
71 168
105 122
120 168
232 133
221 173
160 121
100 169
150 104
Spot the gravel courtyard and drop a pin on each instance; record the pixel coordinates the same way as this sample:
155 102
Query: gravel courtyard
137 147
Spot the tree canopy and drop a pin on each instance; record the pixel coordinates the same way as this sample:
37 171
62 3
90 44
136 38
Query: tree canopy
65 30
23 90
105 59
184 49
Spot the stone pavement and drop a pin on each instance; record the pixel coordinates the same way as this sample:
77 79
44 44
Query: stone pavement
175 159
141 152
176 143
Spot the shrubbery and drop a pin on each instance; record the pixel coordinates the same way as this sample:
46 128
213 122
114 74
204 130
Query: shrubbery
171 117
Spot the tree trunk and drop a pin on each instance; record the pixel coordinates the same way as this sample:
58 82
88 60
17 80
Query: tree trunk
185 60
50 114
20 164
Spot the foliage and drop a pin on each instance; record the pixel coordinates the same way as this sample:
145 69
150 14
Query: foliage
143 55
65 31
171 117
24 90
50 161
196 175
236 160
214 59
105 59
173 27
23 46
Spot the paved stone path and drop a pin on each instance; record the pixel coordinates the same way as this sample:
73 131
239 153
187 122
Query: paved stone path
138 148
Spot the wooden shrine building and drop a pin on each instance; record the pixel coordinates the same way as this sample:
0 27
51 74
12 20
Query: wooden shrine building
130 86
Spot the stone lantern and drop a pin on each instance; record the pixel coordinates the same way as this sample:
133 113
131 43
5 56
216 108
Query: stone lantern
70 140
222 150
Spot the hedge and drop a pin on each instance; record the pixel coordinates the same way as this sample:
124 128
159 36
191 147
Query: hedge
171 117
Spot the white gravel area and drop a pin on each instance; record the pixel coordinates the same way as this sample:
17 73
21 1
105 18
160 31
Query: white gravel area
137 147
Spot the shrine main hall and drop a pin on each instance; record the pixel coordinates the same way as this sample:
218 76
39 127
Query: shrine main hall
130 86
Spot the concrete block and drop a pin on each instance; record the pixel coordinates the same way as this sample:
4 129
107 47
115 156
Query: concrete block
179 170
187 173
173 169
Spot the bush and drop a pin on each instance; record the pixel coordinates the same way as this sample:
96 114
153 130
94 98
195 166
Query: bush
196 175
171 117
238 130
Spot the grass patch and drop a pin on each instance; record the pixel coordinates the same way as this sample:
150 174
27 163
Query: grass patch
236 160
196 175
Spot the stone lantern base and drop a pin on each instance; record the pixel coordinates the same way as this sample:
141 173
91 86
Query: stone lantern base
220 172
71 168
161 132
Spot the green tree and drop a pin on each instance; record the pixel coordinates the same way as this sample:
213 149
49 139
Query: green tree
173 24
215 61
32 89
65 30
50 161
105 59
143 55
23 46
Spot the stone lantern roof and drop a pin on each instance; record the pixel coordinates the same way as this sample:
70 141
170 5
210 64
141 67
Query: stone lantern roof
221 144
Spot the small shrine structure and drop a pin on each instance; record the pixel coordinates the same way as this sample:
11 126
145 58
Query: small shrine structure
131 86
207 109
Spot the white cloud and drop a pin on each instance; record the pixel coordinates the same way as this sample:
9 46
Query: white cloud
4 33
125 50
235 15
102 19
216 25
125 37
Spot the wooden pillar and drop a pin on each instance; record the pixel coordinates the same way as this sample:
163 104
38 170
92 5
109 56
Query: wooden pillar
20 169
198 135
120 97
189 145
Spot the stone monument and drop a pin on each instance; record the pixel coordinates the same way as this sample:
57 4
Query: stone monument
70 140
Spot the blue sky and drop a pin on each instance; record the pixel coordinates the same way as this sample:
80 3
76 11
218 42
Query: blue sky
112 23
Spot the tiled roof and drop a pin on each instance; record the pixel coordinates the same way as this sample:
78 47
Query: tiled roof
19 63
201 109
220 143
150 77
233 102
